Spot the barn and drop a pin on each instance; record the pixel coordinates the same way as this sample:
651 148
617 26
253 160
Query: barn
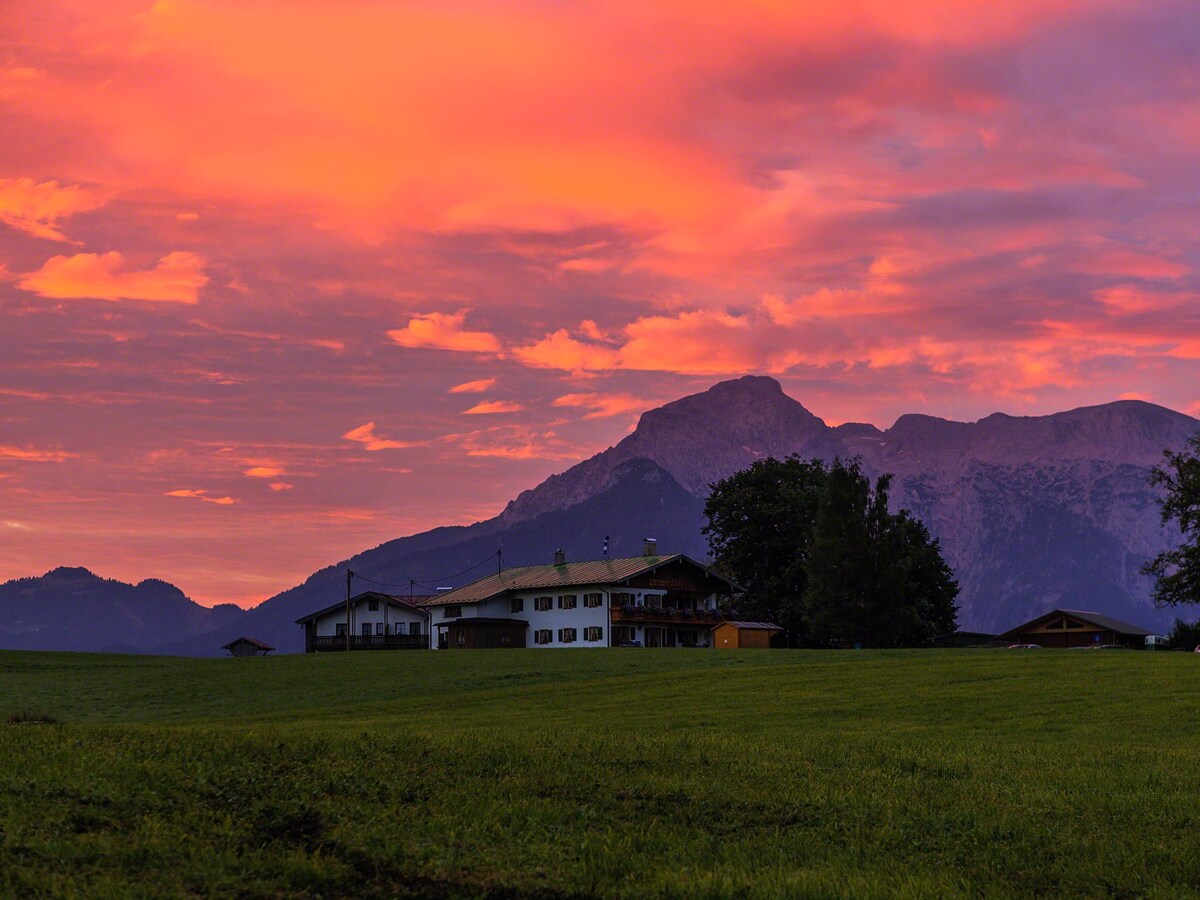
744 635
245 646
1078 628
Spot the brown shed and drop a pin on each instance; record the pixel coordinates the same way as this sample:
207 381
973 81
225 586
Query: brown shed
245 646
744 635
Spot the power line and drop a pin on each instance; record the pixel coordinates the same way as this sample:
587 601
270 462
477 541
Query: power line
431 582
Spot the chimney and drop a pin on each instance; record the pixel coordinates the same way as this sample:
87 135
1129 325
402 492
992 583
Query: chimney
560 558
649 547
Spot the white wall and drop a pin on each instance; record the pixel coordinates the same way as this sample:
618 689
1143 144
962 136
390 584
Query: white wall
361 614
579 618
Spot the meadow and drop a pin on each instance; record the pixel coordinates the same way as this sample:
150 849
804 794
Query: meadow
578 773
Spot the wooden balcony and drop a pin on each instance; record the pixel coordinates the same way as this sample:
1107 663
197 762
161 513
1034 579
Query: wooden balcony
369 642
668 615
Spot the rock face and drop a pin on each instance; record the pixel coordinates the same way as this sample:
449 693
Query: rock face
72 609
1032 512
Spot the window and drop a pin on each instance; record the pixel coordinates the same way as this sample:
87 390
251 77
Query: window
341 629
623 634
414 628
594 633
591 600
518 604
541 604
622 599
1056 624
567 601
366 630
542 636
1071 623
451 612
654 601
379 628
505 636
460 635
566 635
373 604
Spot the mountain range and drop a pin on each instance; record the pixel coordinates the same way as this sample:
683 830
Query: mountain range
1032 512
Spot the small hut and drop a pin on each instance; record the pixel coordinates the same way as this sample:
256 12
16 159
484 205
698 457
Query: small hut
245 646
744 635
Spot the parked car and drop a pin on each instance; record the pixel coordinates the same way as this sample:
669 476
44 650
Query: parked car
1024 646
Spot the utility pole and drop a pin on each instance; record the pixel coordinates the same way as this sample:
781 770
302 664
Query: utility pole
349 576
500 561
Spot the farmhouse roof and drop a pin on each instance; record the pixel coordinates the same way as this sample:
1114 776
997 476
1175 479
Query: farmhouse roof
1100 620
245 640
573 574
761 626
393 599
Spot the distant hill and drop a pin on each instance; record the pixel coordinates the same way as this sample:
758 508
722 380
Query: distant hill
72 609
1033 512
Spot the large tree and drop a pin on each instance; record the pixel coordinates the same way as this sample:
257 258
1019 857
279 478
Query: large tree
818 552
759 525
1178 570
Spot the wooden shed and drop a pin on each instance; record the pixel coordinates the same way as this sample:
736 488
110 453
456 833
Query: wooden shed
245 646
745 635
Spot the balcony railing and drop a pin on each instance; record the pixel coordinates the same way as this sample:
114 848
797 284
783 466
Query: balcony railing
370 642
666 614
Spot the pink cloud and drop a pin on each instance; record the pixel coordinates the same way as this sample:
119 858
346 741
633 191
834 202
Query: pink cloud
38 209
281 486
365 435
493 406
263 471
474 387
176 278
601 406
29 454
201 495
444 331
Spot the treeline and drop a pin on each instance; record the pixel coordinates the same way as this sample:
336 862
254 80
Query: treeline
818 553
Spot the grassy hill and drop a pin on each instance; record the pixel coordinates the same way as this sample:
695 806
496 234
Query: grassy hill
600 773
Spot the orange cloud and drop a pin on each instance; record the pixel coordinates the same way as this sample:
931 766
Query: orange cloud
601 406
443 331
281 486
365 435
177 278
27 454
493 406
561 351
263 471
37 209
474 387
202 495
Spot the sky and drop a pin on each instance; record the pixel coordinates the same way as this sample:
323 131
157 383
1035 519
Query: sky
280 281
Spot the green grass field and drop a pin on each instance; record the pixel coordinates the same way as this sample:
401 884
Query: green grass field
631 773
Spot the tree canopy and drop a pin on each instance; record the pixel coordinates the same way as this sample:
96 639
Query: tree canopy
1178 570
818 552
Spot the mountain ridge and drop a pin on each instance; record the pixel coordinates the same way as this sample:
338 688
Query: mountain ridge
1032 511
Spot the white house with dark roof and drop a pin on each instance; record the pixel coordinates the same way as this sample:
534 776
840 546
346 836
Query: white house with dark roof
376 622
649 600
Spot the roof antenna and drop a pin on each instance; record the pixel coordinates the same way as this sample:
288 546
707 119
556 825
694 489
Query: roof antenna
606 546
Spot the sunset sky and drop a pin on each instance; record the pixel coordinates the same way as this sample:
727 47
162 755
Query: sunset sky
282 280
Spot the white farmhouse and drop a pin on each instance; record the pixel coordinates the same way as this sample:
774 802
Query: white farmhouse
649 600
376 622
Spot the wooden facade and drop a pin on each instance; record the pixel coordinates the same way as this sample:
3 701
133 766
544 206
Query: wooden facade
1064 628
481 633
245 646
745 635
